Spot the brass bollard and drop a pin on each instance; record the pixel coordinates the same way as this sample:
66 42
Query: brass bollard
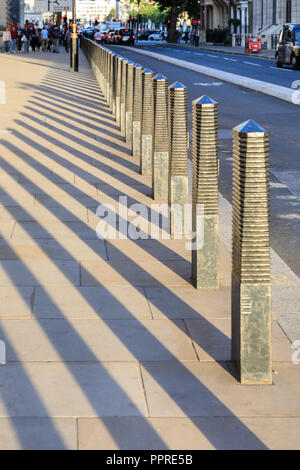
147 123
205 216
112 84
160 162
123 96
118 90
129 102
251 285
137 111
178 191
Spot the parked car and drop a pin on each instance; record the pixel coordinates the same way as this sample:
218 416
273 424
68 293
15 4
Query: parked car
145 35
125 36
157 36
288 47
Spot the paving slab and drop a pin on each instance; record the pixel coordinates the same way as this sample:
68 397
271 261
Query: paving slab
53 229
212 340
210 389
121 302
187 302
38 272
16 302
39 390
38 434
46 248
35 213
147 273
222 433
96 340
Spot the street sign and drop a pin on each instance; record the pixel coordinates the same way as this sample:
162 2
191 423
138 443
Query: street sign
54 5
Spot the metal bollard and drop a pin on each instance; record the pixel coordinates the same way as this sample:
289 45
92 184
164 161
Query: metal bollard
205 253
137 111
118 90
112 84
147 123
123 96
178 193
160 161
129 102
251 285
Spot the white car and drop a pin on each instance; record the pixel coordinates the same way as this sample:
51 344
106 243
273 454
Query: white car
157 36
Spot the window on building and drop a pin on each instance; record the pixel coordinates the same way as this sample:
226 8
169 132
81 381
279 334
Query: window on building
288 11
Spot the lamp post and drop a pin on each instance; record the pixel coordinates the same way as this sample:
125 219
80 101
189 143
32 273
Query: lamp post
74 43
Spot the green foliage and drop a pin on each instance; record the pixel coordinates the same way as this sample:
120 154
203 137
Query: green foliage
147 10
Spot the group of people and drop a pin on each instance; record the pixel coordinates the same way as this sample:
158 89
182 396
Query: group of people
48 38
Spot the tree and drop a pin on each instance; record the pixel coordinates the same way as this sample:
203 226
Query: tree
175 7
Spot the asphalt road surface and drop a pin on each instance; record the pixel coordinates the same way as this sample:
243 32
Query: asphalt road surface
280 118
247 66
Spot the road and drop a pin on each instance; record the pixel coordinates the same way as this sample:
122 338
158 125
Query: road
247 66
236 105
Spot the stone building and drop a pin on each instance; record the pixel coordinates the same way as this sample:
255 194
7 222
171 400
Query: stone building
11 10
270 15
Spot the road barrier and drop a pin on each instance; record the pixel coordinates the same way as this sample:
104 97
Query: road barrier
137 112
205 260
129 103
178 191
147 123
160 160
251 286
153 120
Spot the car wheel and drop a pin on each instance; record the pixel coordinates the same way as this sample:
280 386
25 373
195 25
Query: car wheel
295 63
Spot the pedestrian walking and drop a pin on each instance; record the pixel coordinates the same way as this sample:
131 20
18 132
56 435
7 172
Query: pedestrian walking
7 40
33 39
67 39
27 34
56 35
19 32
45 38
14 36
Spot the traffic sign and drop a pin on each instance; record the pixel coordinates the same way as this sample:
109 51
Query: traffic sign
53 5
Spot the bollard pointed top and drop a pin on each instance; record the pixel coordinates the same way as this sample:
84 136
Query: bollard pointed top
205 100
138 66
160 76
249 126
177 85
130 62
147 71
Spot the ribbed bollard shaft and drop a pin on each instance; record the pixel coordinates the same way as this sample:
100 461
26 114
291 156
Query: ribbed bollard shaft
112 84
178 157
251 288
160 163
137 111
129 102
147 123
205 218
123 95
118 90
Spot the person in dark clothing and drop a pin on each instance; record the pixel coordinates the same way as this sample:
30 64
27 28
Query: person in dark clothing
34 39
19 32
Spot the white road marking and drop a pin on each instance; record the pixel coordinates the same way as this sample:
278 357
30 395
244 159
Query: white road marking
208 84
232 60
251 63
284 70
214 56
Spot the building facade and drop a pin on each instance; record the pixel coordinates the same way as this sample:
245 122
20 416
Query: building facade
270 15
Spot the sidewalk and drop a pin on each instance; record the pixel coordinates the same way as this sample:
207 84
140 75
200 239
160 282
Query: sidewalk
108 344
264 54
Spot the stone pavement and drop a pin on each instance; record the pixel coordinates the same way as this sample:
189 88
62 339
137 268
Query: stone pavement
108 345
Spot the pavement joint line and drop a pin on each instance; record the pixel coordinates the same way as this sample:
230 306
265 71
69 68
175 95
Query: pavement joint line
267 88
